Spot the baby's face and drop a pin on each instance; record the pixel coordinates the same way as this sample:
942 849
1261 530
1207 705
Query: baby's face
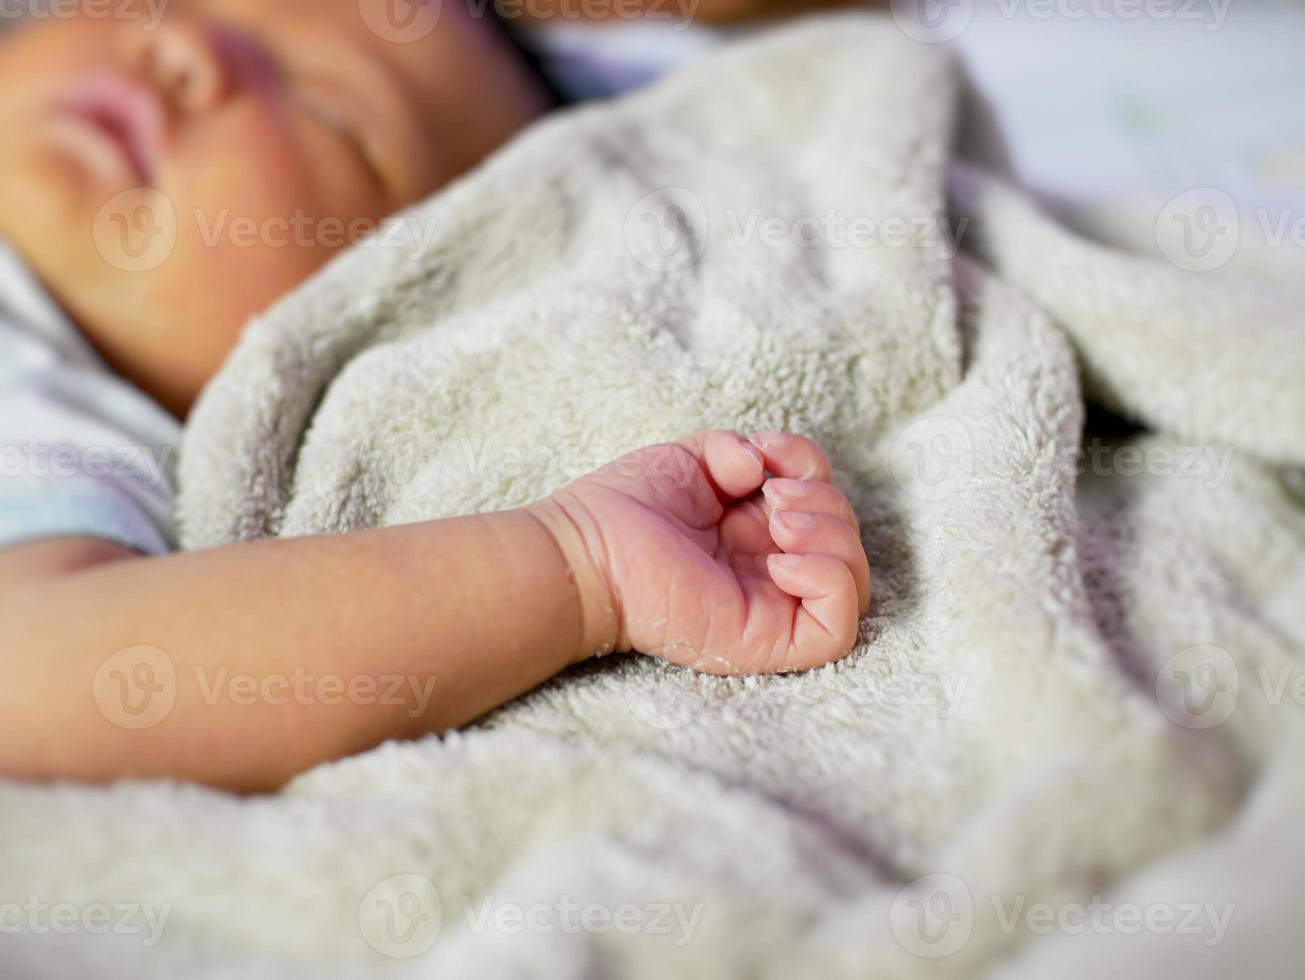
265 135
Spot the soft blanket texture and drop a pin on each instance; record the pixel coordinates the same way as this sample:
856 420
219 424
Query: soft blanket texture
1077 688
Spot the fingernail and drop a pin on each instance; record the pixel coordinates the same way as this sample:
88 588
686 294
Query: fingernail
755 454
786 561
786 487
794 520
768 440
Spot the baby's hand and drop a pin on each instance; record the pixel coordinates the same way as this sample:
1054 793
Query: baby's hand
686 551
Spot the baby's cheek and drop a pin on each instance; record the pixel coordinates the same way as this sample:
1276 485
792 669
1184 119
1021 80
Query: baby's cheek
265 175
253 225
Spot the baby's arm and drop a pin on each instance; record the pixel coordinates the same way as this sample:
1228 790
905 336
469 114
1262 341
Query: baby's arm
469 612
672 550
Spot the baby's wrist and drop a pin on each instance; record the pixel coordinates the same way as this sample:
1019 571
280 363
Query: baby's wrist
600 622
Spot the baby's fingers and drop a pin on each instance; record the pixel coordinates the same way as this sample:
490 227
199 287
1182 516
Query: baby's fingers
825 627
800 532
793 456
811 496
734 466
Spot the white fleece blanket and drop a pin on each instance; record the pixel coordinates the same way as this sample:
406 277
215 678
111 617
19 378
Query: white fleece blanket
1068 742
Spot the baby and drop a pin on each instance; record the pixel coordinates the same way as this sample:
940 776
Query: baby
725 553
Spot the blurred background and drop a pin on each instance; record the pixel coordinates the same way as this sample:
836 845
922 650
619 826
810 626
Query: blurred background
1110 107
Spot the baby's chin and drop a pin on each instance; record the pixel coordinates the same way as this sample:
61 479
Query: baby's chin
169 328
166 334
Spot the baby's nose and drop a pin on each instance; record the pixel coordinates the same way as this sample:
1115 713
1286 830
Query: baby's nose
182 58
